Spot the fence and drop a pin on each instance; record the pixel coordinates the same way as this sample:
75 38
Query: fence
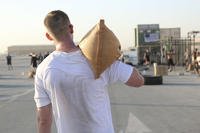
158 51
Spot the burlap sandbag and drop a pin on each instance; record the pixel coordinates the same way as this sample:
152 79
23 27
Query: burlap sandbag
101 47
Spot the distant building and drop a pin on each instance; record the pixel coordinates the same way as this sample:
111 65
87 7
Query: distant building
27 49
170 33
159 41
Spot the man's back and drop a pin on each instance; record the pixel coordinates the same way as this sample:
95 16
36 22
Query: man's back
79 102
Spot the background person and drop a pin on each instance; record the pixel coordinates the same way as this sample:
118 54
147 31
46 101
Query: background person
34 59
40 58
195 52
170 61
186 59
9 62
146 57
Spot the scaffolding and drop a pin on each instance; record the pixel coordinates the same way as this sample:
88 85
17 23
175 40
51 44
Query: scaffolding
193 34
179 47
158 51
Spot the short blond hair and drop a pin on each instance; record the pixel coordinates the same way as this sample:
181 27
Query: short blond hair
57 23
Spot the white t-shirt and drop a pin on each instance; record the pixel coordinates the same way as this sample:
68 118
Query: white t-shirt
80 103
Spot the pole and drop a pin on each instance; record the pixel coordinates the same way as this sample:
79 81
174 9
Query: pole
194 40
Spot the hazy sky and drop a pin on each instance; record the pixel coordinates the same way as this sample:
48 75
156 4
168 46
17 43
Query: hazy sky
22 20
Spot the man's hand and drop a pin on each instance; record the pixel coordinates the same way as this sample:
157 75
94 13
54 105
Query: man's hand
44 118
136 79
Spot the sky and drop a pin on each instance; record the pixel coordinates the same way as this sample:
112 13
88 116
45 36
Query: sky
21 21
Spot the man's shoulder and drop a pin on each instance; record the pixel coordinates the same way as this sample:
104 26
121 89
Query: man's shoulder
117 64
44 64
117 71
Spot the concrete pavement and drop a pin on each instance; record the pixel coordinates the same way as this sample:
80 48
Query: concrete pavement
173 107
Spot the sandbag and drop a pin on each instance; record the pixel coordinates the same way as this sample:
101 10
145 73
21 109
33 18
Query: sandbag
101 47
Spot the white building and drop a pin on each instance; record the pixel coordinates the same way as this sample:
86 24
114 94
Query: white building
27 49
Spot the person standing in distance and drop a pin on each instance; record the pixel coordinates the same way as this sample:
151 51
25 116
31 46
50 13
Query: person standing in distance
65 85
9 62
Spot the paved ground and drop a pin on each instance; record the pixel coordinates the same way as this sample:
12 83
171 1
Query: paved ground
173 107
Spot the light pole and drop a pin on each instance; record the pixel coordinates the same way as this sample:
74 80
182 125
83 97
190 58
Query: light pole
193 34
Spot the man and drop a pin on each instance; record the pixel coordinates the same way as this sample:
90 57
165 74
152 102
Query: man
65 84
170 61
195 54
34 59
146 57
40 58
9 61
186 58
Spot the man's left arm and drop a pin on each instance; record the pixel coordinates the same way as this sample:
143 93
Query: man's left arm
129 75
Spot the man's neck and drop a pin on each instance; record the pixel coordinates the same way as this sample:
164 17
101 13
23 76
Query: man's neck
66 46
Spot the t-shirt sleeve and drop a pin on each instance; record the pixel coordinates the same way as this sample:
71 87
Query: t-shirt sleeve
41 97
118 71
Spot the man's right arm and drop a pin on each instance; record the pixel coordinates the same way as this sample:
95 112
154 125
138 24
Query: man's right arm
44 119
43 104
136 79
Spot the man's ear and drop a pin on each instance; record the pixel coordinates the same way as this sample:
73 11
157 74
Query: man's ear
71 29
49 36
